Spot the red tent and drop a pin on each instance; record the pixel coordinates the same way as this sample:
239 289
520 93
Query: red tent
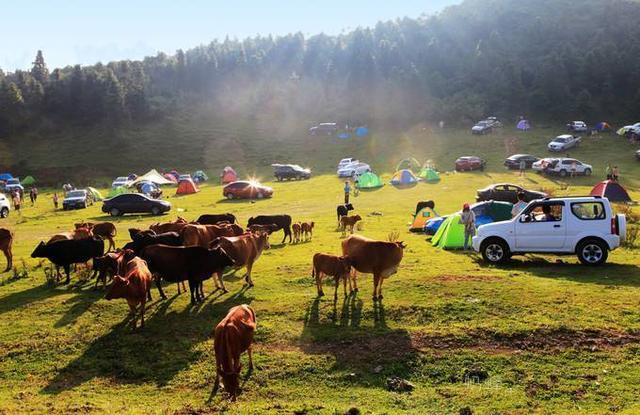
186 187
228 175
611 190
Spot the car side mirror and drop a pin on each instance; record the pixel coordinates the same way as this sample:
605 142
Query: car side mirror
525 218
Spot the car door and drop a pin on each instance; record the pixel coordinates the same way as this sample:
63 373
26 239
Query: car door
511 193
535 232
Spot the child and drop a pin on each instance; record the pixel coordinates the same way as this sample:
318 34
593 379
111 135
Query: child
347 191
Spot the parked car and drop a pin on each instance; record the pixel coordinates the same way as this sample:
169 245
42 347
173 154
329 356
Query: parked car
513 162
290 172
486 126
469 163
582 226
77 199
120 181
635 128
246 190
354 169
564 142
5 206
505 192
134 203
577 127
562 166
346 161
325 128
13 185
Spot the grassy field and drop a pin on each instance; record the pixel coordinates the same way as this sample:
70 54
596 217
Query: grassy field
537 335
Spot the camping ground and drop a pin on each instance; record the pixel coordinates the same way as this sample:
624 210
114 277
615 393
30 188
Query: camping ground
540 334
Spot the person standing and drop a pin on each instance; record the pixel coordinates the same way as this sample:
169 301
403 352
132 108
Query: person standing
607 171
35 194
519 206
574 168
615 173
468 219
17 201
347 191
31 196
55 201
523 166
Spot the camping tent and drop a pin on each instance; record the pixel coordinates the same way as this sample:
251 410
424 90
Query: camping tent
175 174
611 190
152 176
117 191
362 131
97 196
170 177
408 164
186 187
420 219
5 176
369 180
450 235
228 175
404 178
429 175
344 135
28 181
200 176
523 125
603 126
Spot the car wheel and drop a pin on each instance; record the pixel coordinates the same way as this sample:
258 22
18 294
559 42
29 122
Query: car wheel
563 173
229 196
592 252
4 213
155 210
114 212
587 172
494 251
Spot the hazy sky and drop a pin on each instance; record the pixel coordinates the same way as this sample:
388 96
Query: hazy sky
88 31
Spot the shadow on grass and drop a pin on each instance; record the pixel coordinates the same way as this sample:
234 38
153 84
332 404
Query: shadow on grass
80 304
26 297
156 353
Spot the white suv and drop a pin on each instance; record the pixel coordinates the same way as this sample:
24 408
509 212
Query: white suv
5 206
584 226
354 169
562 167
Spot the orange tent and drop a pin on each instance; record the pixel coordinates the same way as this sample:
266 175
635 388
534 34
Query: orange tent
228 175
187 187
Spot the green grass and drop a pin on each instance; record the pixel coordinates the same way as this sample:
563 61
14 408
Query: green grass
532 336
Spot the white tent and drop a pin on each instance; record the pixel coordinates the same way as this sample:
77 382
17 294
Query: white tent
152 176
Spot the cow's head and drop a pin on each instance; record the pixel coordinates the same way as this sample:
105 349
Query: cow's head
40 250
118 288
346 263
181 220
250 222
236 229
263 240
401 244
220 255
231 381
357 218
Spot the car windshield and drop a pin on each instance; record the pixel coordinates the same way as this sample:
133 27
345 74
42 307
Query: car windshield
13 181
560 140
76 193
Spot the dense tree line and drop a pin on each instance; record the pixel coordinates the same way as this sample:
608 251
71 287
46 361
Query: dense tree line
548 58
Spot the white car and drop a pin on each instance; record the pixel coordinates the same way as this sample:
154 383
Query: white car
635 128
578 126
564 142
584 226
562 167
346 161
5 206
354 169
121 181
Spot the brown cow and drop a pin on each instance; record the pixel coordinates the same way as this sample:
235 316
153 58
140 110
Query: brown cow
106 230
83 225
169 226
335 266
349 222
244 250
233 336
110 265
135 287
77 234
379 258
307 230
203 235
297 232
6 242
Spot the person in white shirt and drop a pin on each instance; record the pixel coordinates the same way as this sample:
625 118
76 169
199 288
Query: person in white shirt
519 206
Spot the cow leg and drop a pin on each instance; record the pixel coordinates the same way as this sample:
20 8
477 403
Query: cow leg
9 255
221 282
67 270
344 284
142 305
380 288
112 244
335 293
200 291
354 279
159 286
149 293
376 281
192 288
319 276
247 277
250 353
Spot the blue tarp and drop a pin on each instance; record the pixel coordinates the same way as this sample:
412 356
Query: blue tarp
5 176
362 131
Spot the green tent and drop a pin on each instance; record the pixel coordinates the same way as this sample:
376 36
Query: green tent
409 163
117 191
429 175
96 194
28 181
369 180
450 235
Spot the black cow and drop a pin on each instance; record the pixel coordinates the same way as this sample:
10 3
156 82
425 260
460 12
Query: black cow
215 219
191 263
279 221
343 210
144 239
63 253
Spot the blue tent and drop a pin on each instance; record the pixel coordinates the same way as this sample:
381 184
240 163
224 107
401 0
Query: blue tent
362 131
523 125
603 126
404 178
344 136
5 176
486 212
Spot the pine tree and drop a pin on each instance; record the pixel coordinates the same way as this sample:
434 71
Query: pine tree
39 70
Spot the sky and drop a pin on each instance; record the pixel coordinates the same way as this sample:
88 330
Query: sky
86 31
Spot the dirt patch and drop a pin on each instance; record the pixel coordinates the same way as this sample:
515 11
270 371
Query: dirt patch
467 278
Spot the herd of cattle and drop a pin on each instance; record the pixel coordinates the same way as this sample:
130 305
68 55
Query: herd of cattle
195 251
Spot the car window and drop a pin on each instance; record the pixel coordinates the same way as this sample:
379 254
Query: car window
76 194
542 212
588 210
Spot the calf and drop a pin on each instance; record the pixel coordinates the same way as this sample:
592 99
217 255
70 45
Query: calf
106 230
6 243
343 210
297 232
349 222
335 266
135 287
216 219
279 221
244 250
232 337
203 235
111 264
66 252
307 230
192 263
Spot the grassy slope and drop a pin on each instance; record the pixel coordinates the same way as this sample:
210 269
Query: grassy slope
67 349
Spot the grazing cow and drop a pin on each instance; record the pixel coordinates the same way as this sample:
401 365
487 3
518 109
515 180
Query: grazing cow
307 230
244 250
83 225
143 239
297 232
263 228
232 337
349 222
105 230
335 266
280 221
6 243
192 263
66 252
343 210
169 226
379 258
203 235
216 219
135 287
111 264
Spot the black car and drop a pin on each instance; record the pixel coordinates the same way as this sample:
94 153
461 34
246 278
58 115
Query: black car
290 172
134 203
513 162
505 192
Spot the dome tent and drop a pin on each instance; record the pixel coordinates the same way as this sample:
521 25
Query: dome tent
28 181
6 176
409 163
404 178
421 218
200 176
171 178
117 191
429 175
369 180
187 187
97 196
228 175
523 125
611 190
603 126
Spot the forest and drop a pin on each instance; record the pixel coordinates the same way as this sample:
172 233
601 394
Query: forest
550 59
